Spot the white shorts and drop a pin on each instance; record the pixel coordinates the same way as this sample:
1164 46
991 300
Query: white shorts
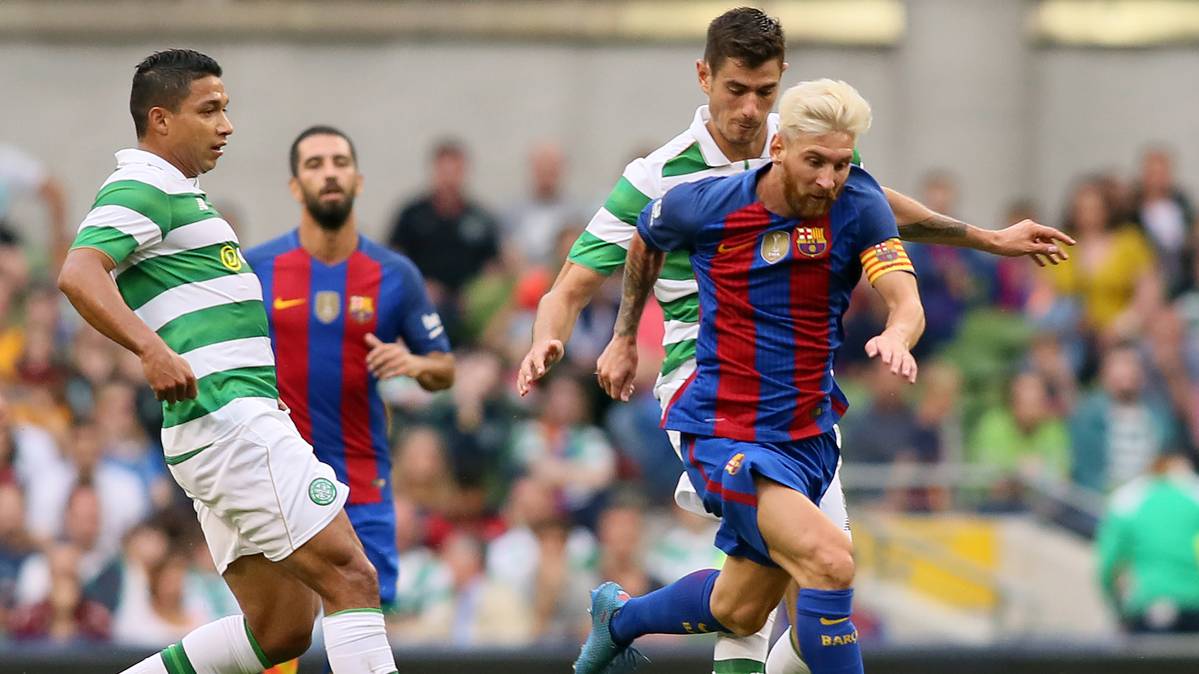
832 504
260 489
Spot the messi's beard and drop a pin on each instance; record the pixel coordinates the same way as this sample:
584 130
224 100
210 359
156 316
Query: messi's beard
806 206
330 216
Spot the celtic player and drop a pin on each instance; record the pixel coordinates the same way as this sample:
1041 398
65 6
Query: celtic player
740 73
186 302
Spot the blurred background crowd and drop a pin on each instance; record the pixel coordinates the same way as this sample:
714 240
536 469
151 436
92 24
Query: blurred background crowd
1040 389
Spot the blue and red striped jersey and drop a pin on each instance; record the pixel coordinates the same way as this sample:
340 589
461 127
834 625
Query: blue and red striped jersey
319 315
772 293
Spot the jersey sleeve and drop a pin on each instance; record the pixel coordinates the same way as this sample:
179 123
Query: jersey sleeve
602 247
419 323
666 224
127 216
881 250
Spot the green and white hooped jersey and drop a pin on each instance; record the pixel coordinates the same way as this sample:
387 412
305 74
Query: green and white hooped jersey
690 156
181 270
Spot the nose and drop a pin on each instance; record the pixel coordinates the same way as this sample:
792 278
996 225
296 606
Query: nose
825 180
225 128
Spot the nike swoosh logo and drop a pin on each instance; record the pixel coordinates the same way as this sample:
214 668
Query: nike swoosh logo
838 621
728 249
281 304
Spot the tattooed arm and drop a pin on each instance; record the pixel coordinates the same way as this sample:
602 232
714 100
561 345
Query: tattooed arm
921 224
617 365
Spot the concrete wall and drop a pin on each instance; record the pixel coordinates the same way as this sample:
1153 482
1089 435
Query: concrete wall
965 89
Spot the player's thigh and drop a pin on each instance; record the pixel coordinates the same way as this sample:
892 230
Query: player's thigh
279 608
802 539
746 592
334 564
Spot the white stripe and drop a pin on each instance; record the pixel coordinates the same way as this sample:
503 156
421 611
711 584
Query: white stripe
669 183
608 227
643 174
188 237
667 290
667 384
235 353
677 331
154 177
126 220
191 297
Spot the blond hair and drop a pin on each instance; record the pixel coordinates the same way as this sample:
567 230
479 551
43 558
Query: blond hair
823 106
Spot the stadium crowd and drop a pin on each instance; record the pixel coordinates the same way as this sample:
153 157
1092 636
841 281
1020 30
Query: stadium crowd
1083 375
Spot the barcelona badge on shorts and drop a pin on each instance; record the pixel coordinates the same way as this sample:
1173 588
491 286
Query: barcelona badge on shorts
362 308
811 241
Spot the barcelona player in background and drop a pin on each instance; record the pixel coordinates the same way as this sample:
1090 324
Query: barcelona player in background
345 313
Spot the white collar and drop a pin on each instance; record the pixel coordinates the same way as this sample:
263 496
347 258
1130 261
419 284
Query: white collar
135 155
711 152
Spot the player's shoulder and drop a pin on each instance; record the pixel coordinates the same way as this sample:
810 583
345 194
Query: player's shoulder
269 250
392 261
645 173
707 200
862 191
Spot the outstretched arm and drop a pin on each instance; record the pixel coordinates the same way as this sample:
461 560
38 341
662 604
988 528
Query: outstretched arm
921 224
556 315
905 324
618 363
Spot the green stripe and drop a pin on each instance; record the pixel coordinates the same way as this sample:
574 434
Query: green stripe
738 666
219 389
355 610
148 279
224 322
677 266
140 197
688 161
857 157
262 659
596 254
176 460
168 211
176 661
625 202
677 354
684 309
113 242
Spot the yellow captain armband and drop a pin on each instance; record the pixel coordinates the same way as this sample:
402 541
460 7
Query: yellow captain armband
884 258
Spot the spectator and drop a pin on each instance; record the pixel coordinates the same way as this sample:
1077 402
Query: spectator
561 448
885 432
1110 272
481 612
532 225
422 470
15 545
12 336
20 175
81 529
65 614
1024 437
424 582
620 532
1167 216
685 546
450 238
1146 547
1117 430
164 617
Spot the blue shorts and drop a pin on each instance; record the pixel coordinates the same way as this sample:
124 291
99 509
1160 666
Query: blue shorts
723 473
375 524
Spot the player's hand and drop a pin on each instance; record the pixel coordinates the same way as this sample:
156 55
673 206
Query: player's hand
894 353
616 367
540 358
283 406
388 359
168 374
1040 242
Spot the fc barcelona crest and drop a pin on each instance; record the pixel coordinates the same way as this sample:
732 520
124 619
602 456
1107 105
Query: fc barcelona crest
327 306
810 241
362 308
774 246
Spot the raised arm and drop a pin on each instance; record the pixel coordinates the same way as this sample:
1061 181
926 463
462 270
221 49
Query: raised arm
556 315
921 224
905 324
86 281
617 365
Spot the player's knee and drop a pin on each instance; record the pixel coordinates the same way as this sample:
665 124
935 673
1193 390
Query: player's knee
284 640
834 567
738 617
360 577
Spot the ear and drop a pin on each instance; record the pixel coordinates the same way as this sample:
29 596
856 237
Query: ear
776 148
293 186
158 120
358 183
704 73
785 64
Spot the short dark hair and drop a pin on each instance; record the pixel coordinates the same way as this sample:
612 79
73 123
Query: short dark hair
448 147
317 130
746 34
163 79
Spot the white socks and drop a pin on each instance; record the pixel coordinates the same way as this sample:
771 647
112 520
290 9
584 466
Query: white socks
356 642
783 658
222 647
742 655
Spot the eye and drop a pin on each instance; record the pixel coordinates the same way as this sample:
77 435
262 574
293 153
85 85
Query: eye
814 162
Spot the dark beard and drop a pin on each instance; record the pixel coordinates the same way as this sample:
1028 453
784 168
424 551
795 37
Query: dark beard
332 216
805 207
